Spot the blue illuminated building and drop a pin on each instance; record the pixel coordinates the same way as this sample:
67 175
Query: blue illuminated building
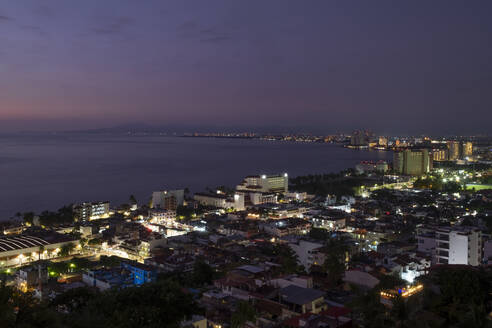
140 273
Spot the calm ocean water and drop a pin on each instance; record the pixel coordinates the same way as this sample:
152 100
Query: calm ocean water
46 172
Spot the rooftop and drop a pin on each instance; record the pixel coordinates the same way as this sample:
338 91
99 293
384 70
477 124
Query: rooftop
300 296
28 241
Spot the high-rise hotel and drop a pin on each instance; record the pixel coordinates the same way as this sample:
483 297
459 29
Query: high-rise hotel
412 161
459 150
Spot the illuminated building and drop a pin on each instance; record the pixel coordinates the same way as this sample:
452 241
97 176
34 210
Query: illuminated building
285 227
256 198
451 245
91 211
412 162
129 274
22 249
168 199
387 296
296 196
282 211
360 138
328 223
221 201
265 183
162 216
439 155
29 277
368 167
460 150
466 149
454 150
383 142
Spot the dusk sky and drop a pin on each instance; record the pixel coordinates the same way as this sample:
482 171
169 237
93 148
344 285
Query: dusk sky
391 66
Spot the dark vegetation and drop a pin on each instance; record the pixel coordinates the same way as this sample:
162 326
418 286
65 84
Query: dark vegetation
160 304
343 183
436 183
453 296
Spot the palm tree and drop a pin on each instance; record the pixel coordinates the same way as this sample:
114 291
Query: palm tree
40 250
66 249
335 261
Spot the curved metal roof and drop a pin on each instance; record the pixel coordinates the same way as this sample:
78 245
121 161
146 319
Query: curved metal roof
20 242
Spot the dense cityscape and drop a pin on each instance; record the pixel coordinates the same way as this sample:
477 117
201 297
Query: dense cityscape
377 245
245 164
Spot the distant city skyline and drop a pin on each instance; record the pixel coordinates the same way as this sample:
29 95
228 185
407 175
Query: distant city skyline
68 126
316 66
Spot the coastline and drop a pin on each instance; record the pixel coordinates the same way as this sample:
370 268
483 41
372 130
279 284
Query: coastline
54 171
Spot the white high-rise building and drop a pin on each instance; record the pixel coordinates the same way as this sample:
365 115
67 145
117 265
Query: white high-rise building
451 245
265 183
168 199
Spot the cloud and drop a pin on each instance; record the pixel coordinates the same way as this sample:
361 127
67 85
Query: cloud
44 11
34 29
5 18
216 34
115 26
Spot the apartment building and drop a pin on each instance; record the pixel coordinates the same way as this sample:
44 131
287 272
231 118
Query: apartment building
91 211
451 245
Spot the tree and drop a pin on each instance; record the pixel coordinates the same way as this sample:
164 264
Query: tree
202 273
125 207
399 311
23 310
75 299
152 305
110 261
83 242
18 215
64 215
463 295
95 242
244 312
28 218
287 258
67 249
40 251
7 314
335 261
372 311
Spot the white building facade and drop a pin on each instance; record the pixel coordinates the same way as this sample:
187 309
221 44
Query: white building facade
265 183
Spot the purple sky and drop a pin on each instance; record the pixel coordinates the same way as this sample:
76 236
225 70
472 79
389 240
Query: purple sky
409 66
